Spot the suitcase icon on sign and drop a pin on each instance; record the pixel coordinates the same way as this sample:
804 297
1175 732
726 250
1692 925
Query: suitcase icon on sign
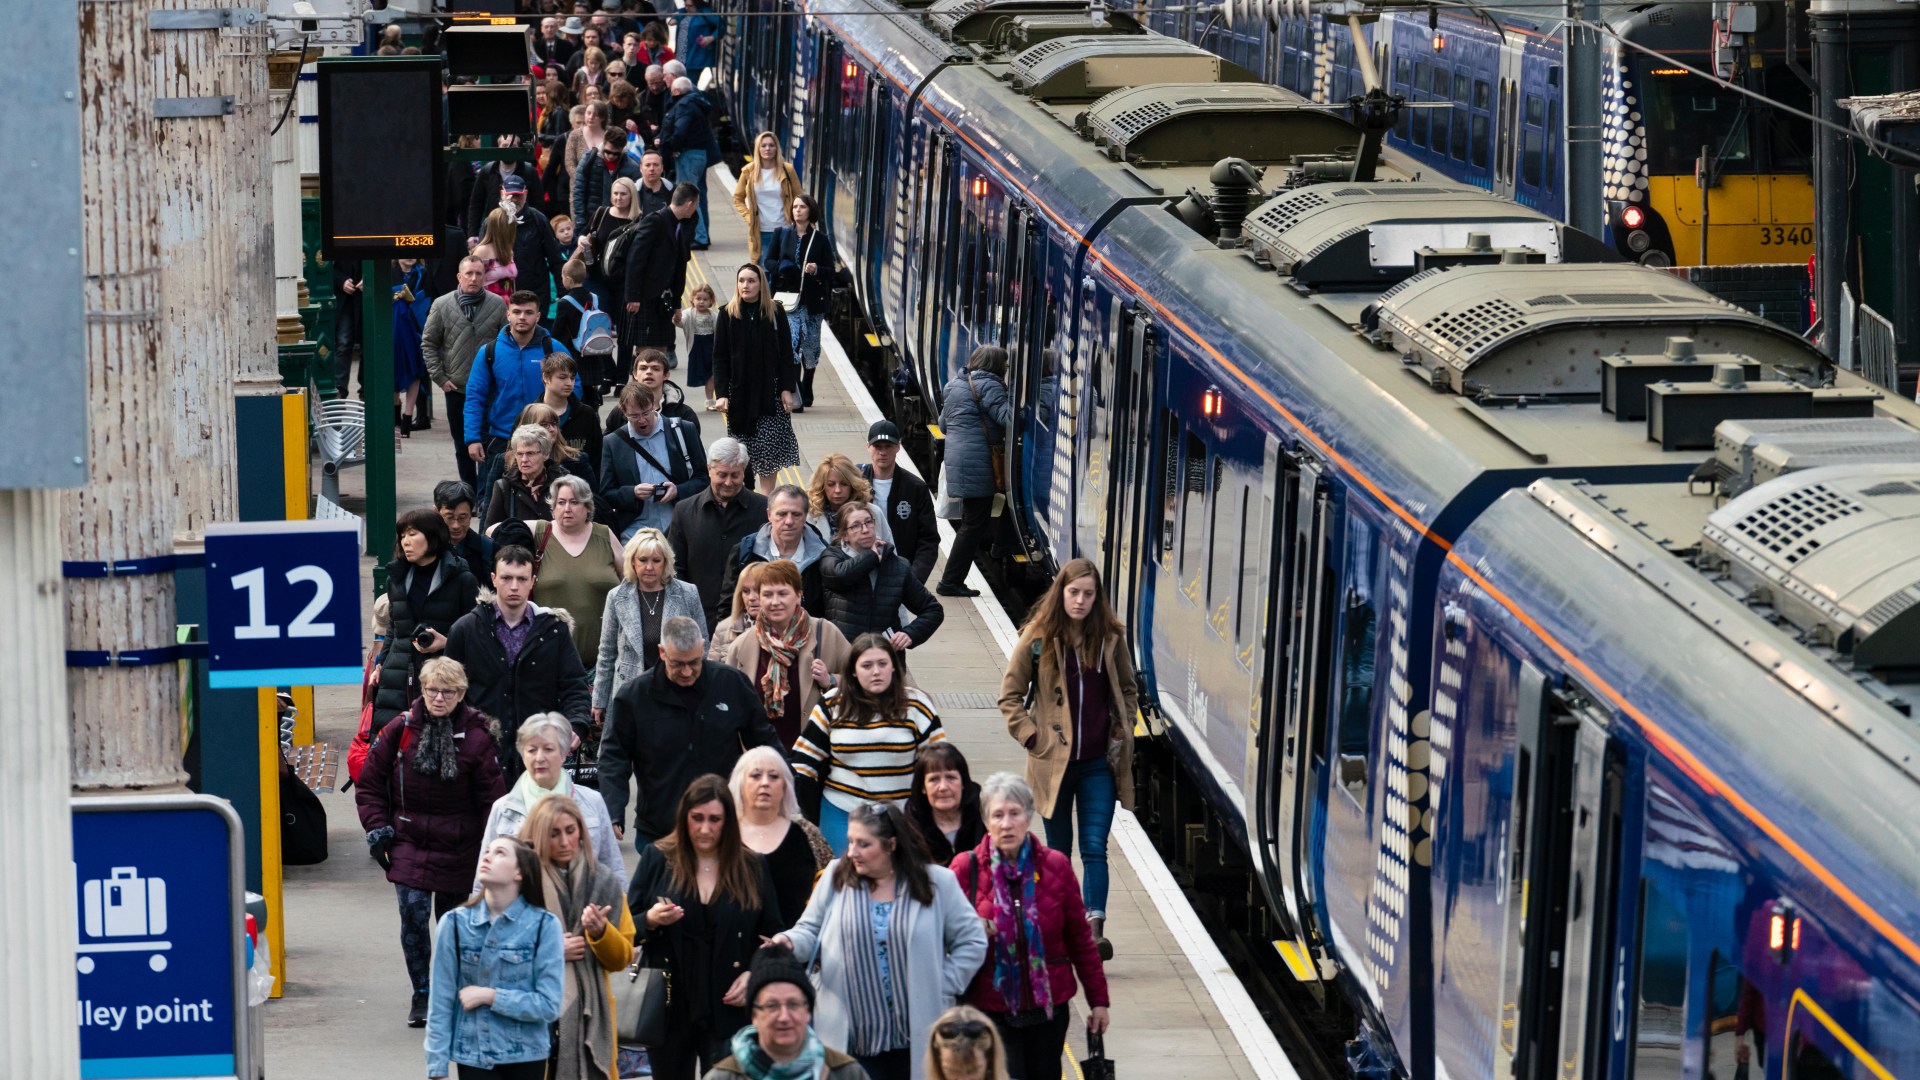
124 905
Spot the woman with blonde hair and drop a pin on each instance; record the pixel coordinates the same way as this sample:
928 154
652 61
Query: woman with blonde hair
590 901
495 249
765 190
746 607
754 374
636 609
836 482
965 1046
771 824
566 456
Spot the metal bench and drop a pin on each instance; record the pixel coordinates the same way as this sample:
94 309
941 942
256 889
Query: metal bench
340 433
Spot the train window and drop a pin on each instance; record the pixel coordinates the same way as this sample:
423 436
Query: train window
1536 111
1358 629
1736 1020
1659 1027
1531 142
1509 95
1553 142
1248 596
1788 136
1170 490
1402 75
1193 500
1482 146
1462 97
1229 499
1422 118
1290 67
1339 84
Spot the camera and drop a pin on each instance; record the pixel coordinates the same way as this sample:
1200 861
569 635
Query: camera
422 638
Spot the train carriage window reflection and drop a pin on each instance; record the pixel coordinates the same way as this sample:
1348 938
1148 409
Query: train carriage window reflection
1553 146
1169 488
1482 123
1659 1027
1224 548
1736 1022
1422 118
1530 142
1193 499
1403 85
1362 588
1249 598
1462 97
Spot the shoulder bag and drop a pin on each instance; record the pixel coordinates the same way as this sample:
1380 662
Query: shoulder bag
640 999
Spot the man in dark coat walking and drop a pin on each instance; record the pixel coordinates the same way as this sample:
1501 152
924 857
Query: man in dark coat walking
536 251
687 135
489 182
520 658
678 720
903 499
657 270
707 528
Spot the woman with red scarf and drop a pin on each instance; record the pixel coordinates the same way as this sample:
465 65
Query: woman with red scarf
790 654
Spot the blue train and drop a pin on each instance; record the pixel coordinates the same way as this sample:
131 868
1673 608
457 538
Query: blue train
1536 632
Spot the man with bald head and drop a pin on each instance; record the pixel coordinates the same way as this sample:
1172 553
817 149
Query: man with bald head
458 325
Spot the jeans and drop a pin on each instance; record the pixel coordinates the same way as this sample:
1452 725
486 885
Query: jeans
690 167
1033 1053
806 335
766 245
457 425
1090 784
833 826
518 1070
418 909
976 518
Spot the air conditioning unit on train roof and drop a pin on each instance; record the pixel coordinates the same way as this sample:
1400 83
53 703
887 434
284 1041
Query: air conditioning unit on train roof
1836 550
1026 31
976 21
1085 68
1511 330
1195 124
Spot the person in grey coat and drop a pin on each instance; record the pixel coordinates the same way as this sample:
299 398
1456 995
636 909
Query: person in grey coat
636 610
459 325
975 415
935 943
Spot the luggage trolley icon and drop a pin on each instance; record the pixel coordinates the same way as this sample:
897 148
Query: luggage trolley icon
124 905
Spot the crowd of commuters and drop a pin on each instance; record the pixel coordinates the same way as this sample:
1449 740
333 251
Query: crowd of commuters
601 633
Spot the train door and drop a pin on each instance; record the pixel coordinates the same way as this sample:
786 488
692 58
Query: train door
1298 663
1132 436
1022 324
934 258
1562 864
1506 114
873 194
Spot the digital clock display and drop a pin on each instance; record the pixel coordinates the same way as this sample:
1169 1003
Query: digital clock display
382 180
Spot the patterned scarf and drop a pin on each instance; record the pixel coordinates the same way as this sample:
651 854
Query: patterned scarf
1011 926
758 1066
784 653
436 753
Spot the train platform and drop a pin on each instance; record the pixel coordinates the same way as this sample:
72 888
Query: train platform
1178 1010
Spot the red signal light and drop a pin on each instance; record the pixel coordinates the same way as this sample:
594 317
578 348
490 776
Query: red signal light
1633 217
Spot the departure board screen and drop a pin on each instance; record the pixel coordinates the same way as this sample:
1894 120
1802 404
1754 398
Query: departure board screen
382 176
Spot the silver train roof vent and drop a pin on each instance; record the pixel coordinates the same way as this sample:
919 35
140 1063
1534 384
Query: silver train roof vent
1373 233
1837 551
1084 68
975 21
1200 123
1751 452
1529 329
1026 31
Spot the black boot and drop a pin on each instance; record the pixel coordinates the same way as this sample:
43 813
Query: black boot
1100 943
806 386
417 1012
402 423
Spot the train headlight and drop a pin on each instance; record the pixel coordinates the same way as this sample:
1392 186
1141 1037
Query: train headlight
1638 241
1633 218
1657 259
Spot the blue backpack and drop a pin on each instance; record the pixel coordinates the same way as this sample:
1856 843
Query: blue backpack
595 335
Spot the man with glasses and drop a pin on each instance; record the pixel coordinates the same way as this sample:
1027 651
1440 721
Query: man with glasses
674 722
782 1042
648 464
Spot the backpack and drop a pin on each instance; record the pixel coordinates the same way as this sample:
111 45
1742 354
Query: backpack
595 335
613 261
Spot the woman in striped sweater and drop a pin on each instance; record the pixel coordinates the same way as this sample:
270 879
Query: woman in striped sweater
861 741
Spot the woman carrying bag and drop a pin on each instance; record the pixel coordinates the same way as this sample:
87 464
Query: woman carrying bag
975 412
754 374
802 261
590 901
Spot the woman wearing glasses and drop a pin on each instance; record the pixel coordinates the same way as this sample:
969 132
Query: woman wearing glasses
423 798
965 1046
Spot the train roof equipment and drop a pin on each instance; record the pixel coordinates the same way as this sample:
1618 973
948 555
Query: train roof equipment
1197 124
1086 67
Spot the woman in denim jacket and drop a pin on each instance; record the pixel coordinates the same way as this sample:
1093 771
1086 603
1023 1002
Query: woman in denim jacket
498 973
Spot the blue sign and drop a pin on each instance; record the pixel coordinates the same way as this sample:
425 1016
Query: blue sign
283 604
157 886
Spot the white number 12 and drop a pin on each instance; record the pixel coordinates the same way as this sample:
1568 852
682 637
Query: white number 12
254 583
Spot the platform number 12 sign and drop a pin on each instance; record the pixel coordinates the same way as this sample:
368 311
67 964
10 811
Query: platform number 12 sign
283 604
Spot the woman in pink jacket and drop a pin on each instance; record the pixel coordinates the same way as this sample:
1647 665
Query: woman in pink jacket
1037 933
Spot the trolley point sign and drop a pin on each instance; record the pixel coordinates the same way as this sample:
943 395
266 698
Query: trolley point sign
157 892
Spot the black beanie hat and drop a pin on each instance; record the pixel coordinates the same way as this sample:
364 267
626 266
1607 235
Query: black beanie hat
776 964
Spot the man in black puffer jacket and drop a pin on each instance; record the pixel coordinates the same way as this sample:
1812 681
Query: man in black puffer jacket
867 584
520 658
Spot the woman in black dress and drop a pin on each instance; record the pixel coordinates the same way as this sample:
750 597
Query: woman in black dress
620 215
708 902
754 373
771 824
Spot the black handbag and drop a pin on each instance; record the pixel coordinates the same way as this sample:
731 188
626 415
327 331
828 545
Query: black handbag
1096 1066
640 999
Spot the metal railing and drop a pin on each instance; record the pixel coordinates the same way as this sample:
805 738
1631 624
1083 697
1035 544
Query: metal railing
1878 353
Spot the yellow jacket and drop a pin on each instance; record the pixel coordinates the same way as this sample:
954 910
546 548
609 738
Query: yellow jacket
748 207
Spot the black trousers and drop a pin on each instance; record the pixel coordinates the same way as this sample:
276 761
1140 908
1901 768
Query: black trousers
346 339
976 522
895 1064
512 1070
457 425
689 1053
1035 1053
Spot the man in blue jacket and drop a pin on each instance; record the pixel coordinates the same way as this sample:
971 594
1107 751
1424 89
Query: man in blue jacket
505 379
687 134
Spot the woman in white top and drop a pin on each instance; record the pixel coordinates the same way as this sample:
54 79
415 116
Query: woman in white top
765 191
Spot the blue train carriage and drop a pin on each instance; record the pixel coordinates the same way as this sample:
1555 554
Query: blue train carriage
1675 770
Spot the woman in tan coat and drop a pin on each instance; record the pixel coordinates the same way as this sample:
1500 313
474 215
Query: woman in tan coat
764 194
1070 697
790 655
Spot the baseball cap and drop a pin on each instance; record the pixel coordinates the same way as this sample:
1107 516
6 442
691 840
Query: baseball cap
882 431
514 183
